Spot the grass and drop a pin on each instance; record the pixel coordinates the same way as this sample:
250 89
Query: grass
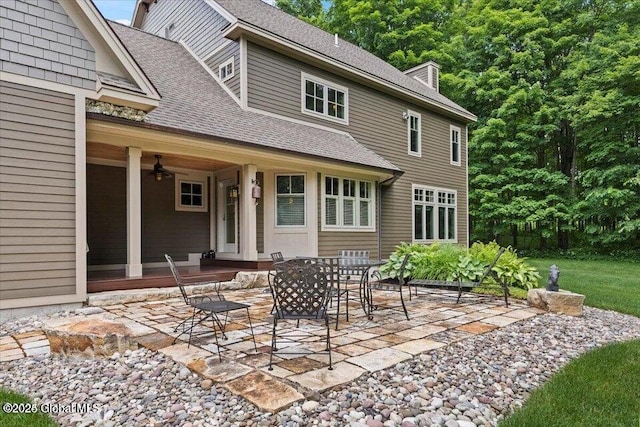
600 388
37 419
611 285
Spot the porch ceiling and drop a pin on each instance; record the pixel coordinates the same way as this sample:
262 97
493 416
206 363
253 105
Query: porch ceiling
98 150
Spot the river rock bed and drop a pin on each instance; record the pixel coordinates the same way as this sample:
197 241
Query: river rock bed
473 382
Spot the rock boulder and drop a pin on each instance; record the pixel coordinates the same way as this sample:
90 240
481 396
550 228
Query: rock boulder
562 302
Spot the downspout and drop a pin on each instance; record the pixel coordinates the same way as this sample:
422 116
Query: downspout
386 182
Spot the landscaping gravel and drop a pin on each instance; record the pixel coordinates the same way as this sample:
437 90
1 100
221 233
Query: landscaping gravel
475 382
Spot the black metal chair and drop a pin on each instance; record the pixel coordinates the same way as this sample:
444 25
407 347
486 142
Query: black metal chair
376 283
352 264
301 291
206 307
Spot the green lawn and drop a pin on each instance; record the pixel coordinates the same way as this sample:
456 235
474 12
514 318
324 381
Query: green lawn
37 419
600 388
611 285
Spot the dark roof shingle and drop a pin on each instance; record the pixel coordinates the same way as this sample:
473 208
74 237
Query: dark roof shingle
193 101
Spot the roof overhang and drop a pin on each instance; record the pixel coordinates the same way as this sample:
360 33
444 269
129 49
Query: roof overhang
244 29
101 36
117 131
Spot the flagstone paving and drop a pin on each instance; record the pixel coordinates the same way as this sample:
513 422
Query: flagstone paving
300 366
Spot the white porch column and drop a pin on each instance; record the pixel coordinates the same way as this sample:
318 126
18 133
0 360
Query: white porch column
248 233
134 213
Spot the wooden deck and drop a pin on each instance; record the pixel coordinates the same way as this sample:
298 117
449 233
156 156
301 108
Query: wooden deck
115 280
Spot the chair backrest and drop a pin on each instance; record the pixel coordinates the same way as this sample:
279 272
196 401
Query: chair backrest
352 262
277 257
489 269
301 289
403 266
177 277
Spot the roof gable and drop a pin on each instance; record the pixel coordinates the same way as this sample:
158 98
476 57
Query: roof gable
257 16
120 78
193 102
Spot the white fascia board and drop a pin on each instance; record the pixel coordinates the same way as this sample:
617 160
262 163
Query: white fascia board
222 11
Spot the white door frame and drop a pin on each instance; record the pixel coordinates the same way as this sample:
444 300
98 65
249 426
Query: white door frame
223 246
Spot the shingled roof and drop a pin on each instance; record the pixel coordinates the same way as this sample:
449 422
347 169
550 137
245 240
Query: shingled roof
192 101
271 19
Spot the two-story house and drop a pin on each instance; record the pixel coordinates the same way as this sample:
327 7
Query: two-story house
220 125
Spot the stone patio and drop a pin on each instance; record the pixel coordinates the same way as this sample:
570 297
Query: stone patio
359 347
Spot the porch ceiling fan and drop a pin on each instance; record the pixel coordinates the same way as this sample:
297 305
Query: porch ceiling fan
158 171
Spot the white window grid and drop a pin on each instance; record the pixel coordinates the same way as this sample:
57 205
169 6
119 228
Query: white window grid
324 99
440 211
414 130
357 193
226 69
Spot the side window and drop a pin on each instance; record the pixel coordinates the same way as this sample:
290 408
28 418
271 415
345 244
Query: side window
414 133
225 70
191 195
455 145
290 201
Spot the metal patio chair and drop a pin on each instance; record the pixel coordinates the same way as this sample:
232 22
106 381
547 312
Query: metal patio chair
301 291
207 307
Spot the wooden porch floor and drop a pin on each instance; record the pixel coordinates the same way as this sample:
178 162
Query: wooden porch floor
115 280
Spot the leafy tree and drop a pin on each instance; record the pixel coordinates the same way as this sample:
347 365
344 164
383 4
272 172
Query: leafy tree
556 88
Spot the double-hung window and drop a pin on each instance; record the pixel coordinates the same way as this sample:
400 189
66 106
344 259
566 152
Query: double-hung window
325 99
455 145
434 214
347 204
290 201
225 70
414 133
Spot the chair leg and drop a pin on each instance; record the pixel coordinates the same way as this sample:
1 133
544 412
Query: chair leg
273 344
193 318
215 334
346 302
404 307
255 346
328 342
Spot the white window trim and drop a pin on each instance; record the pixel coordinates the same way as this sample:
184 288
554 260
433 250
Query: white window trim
303 78
222 66
372 224
436 204
275 200
419 116
178 194
457 129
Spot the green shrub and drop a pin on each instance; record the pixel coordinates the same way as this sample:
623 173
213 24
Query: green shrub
439 262
446 261
511 269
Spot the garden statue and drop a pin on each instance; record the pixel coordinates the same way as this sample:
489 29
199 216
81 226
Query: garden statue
552 283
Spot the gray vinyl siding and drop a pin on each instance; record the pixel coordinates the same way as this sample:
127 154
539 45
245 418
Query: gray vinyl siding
330 243
38 39
164 230
195 22
37 192
232 49
107 218
260 217
375 120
